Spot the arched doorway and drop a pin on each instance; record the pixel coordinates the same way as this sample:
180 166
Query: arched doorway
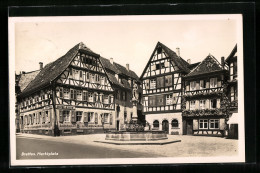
165 126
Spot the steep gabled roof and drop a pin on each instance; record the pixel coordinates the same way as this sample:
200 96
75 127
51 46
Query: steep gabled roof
52 70
118 69
233 52
26 78
208 65
181 63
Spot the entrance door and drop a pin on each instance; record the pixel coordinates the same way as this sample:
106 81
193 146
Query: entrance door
117 125
189 127
165 126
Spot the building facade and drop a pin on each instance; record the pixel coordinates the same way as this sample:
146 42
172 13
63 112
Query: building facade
76 95
232 93
162 89
204 99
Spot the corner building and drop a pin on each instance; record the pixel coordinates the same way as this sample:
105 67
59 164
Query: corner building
162 90
204 99
72 95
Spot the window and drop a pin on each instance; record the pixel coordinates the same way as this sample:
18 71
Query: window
125 116
106 118
159 50
160 82
168 99
97 78
232 94
156 124
73 94
79 95
192 85
40 117
152 100
192 105
160 100
231 71
90 97
160 66
202 104
70 73
76 74
168 80
66 115
235 70
87 76
66 93
202 84
175 123
91 117
34 119
78 116
123 95
92 78
61 92
106 100
102 80
213 103
96 118
80 75
203 124
214 124
85 95
47 117
213 82
152 84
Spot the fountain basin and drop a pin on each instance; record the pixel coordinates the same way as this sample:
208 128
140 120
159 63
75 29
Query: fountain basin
136 136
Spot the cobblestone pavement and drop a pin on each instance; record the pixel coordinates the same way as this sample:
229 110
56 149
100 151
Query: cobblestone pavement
190 146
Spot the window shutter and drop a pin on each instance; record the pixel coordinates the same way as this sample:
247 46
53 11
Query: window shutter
85 117
187 105
197 86
195 124
111 119
197 104
109 99
222 124
218 103
207 84
73 119
219 83
207 104
96 118
60 116
147 83
174 98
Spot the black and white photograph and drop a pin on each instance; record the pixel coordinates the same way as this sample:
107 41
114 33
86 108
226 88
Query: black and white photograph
146 89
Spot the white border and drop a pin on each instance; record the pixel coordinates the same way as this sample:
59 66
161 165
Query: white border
169 160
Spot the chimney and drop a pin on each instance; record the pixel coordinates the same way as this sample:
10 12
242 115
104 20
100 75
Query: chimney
41 65
188 60
111 60
178 51
223 61
127 67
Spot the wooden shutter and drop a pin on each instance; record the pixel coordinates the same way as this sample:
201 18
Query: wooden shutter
207 84
160 82
73 116
174 98
219 83
207 104
96 118
187 105
197 85
222 124
197 104
111 119
195 124
85 117
160 100
60 116
218 103
151 101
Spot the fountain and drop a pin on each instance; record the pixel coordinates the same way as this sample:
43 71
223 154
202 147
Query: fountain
134 131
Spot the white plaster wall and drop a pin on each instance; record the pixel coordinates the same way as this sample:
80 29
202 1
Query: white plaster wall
166 116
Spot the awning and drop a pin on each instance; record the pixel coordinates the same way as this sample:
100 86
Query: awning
233 119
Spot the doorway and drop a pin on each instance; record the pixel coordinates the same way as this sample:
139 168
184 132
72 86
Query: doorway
189 127
117 125
165 126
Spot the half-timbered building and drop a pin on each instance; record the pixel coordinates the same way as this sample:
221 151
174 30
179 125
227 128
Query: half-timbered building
204 98
232 93
162 89
73 95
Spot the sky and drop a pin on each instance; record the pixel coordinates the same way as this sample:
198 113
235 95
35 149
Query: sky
127 39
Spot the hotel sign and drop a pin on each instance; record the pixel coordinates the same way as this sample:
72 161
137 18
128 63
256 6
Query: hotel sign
65 107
